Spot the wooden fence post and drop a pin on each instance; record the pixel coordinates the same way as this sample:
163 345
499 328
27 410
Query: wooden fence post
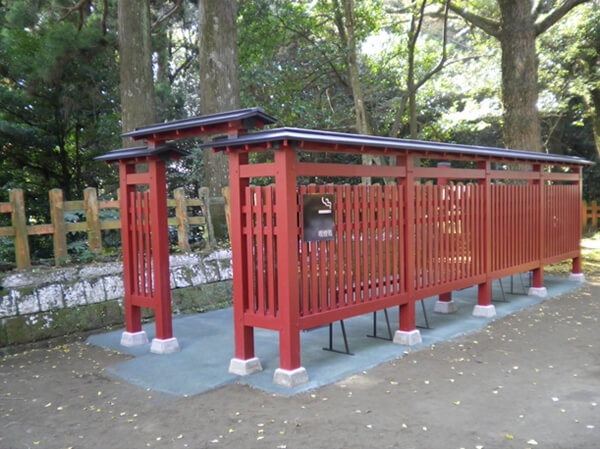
183 222
19 223
204 196
92 218
57 214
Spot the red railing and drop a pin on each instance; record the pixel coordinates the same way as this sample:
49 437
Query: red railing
363 268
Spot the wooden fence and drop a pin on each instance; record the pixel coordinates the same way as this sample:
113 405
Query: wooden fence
590 216
20 229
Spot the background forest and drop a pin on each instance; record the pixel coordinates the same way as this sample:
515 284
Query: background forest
74 74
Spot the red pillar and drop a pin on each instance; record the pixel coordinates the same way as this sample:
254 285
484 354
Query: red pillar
244 335
133 314
537 288
157 184
484 307
408 334
407 319
287 258
577 271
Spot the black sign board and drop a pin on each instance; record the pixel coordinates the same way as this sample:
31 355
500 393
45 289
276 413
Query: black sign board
318 217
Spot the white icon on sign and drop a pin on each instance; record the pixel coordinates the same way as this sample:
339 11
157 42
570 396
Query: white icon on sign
327 202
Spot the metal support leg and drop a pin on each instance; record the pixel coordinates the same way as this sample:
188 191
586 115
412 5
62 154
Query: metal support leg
501 290
389 328
424 316
330 348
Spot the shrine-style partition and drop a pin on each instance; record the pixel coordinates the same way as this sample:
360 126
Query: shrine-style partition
482 214
144 225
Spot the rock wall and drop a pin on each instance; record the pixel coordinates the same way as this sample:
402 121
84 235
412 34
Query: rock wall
50 302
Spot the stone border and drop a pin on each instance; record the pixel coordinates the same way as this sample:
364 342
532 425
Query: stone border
50 302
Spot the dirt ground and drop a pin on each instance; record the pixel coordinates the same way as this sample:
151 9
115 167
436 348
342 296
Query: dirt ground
531 380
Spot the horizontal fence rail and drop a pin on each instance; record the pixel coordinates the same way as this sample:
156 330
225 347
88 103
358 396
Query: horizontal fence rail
92 224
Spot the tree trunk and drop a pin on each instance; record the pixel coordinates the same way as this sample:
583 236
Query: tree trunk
219 85
135 63
362 122
519 76
594 110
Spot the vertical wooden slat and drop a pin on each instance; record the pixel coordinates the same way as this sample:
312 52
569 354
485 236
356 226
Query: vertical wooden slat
135 256
372 241
453 231
357 256
19 223
139 229
149 250
444 233
250 249
183 221
395 232
348 236
463 223
340 245
379 233
437 233
401 236
364 206
430 237
388 212
271 280
322 270
304 266
92 218
331 252
57 215
260 252
313 263
417 236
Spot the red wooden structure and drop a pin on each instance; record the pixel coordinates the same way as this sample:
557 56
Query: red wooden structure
433 230
144 229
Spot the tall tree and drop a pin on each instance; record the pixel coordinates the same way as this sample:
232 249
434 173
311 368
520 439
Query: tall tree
219 78
57 108
518 24
413 84
135 64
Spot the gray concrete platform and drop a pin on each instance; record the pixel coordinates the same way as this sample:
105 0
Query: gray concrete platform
206 342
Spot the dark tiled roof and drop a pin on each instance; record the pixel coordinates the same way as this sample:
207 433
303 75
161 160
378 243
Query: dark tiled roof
203 120
359 140
132 153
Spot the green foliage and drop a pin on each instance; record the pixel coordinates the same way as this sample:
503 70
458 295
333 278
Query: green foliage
58 99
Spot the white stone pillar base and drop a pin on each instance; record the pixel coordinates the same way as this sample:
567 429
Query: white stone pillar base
538 291
290 378
484 311
408 338
445 307
167 346
130 339
245 367
577 277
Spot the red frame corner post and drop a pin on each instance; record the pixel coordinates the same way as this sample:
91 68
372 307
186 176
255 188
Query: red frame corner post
537 288
290 373
577 270
244 362
484 307
408 334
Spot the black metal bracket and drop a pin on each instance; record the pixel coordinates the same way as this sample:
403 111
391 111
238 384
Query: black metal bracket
424 316
389 328
330 348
